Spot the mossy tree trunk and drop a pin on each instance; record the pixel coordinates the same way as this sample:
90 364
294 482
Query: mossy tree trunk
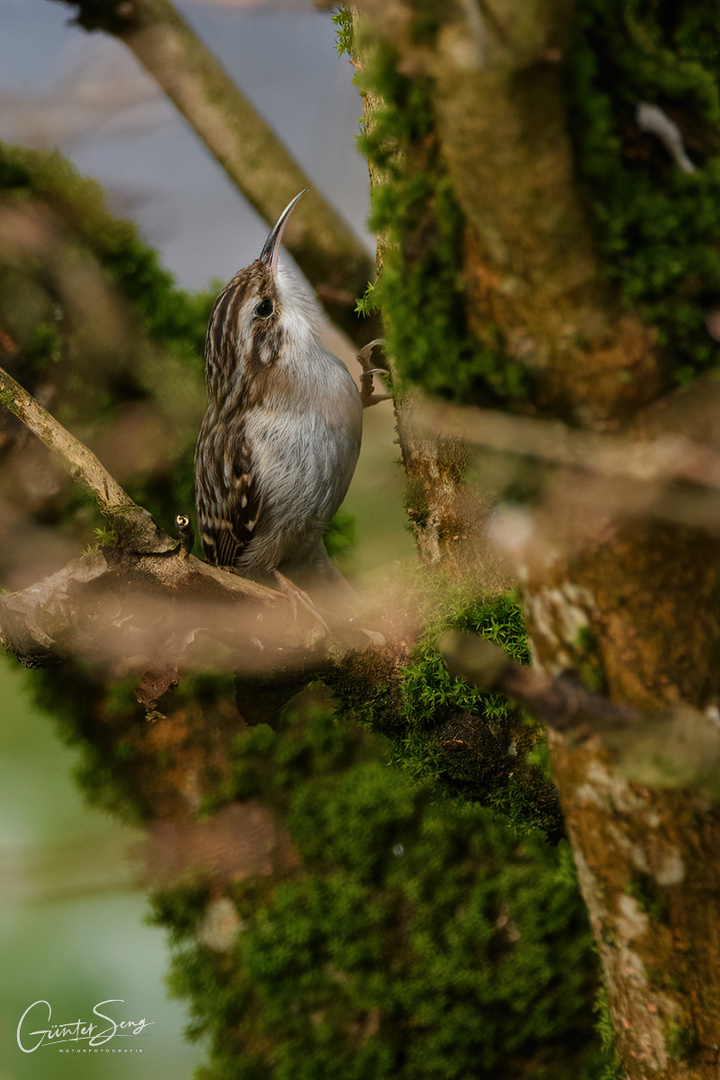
504 134
497 288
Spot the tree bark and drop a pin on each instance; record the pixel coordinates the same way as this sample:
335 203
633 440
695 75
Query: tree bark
629 602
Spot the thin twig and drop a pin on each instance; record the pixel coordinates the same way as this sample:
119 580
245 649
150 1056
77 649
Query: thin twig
673 749
81 463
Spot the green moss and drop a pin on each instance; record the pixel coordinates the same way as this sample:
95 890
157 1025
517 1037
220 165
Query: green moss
681 1042
105 537
311 740
420 291
76 698
204 688
344 31
651 897
657 226
611 1068
427 19
169 314
340 536
430 690
476 746
589 660
122 768
180 908
151 354
8 397
417 939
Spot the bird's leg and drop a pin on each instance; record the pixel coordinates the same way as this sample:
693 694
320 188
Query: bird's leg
364 358
298 596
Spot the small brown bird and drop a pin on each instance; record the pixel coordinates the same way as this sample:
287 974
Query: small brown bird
281 436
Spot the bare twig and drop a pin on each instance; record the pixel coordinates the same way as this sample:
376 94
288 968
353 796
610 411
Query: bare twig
132 523
79 600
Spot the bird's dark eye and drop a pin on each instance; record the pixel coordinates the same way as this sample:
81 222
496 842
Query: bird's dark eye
265 308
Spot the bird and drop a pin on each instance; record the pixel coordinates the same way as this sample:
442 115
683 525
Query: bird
281 435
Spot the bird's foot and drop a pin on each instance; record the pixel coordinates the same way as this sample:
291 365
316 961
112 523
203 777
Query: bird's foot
298 598
364 358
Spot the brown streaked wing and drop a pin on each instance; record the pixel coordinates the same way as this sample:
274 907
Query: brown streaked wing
240 510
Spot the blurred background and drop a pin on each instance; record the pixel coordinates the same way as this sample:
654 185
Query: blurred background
71 920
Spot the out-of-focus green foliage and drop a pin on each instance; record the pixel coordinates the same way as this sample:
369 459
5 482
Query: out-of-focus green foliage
88 313
168 314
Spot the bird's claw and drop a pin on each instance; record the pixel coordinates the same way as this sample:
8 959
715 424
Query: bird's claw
298 597
364 357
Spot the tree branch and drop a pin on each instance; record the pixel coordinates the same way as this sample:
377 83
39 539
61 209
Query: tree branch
129 520
80 462
323 245
563 703
79 602
675 749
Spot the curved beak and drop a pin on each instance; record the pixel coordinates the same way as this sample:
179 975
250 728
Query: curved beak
271 248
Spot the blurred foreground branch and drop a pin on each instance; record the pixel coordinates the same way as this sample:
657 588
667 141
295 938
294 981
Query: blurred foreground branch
669 470
668 458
